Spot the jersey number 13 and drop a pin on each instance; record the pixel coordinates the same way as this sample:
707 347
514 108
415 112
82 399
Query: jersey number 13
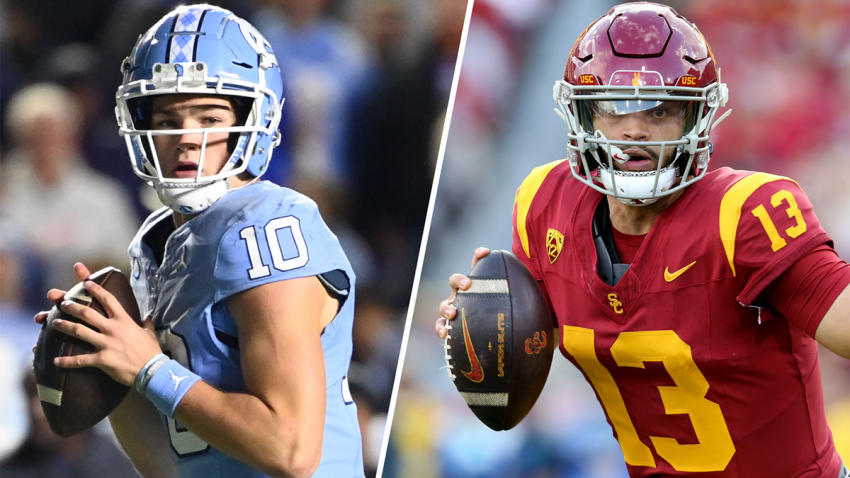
632 349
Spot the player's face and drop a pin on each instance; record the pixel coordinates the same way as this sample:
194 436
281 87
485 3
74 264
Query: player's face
180 154
665 121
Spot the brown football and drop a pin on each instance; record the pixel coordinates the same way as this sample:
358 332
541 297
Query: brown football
499 346
76 399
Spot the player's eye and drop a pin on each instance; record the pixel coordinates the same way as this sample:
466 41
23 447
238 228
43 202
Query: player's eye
164 124
209 121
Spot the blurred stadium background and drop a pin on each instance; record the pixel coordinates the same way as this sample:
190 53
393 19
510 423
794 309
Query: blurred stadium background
367 85
787 65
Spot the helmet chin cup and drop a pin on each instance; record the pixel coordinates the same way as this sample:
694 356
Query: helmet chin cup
637 184
193 199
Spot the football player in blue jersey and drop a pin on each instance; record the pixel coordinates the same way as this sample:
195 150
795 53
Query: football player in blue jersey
240 367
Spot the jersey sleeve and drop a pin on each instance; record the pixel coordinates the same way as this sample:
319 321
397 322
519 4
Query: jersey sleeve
529 260
808 289
531 265
525 242
272 243
523 227
766 224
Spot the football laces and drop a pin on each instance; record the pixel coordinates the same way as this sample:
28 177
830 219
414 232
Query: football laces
449 367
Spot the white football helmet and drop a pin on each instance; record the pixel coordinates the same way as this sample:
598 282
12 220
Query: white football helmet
206 50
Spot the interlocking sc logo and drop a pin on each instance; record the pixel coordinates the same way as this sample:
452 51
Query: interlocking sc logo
615 303
535 344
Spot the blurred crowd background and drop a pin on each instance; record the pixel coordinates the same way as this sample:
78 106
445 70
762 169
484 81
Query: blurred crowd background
787 65
367 84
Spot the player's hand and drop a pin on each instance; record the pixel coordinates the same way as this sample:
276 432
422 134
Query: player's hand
56 295
456 281
121 346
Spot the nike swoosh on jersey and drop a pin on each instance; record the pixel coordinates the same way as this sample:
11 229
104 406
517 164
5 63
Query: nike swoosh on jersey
671 277
477 373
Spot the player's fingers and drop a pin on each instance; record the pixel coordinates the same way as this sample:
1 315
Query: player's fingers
79 331
81 271
41 317
86 314
447 310
459 281
107 300
440 328
55 295
77 361
479 253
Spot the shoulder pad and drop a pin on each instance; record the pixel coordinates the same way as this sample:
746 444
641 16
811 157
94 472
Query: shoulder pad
282 237
525 195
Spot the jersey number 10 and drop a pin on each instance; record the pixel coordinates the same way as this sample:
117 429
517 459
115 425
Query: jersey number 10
258 269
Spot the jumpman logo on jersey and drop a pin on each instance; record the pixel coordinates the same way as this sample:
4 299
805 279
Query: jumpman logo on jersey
176 379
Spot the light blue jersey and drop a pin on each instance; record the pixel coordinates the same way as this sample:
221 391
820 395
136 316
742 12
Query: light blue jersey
254 235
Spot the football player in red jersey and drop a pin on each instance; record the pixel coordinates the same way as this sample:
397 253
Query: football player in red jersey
692 302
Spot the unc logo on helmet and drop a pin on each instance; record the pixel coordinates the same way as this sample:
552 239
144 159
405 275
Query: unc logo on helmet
259 43
201 50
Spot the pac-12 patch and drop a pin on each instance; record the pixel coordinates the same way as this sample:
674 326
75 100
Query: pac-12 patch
554 244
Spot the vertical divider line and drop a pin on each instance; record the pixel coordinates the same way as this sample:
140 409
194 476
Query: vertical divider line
425 232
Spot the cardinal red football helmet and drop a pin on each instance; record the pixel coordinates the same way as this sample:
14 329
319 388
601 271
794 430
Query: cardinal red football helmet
638 57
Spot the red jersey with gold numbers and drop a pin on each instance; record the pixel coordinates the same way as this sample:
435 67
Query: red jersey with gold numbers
694 379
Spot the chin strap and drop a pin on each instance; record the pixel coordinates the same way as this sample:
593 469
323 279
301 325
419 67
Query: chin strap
192 200
197 199
608 264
